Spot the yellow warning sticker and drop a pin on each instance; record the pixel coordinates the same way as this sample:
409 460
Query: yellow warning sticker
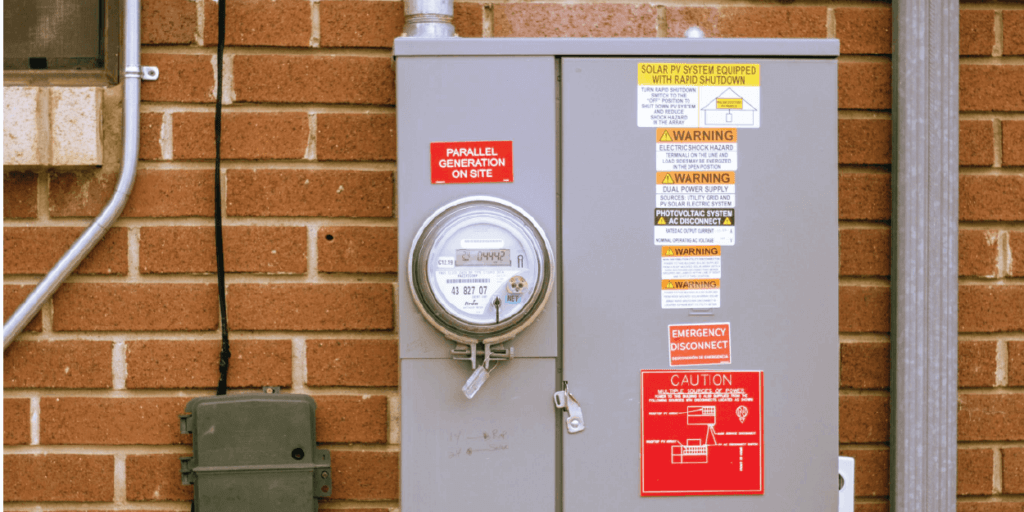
744 75
690 284
673 251
696 178
731 103
696 135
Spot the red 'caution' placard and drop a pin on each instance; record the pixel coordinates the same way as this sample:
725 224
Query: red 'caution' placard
471 162
701 433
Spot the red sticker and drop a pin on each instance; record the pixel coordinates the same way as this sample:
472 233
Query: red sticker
701 433
699 344
471 162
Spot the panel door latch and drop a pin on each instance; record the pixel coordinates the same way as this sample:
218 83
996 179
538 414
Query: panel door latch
565 400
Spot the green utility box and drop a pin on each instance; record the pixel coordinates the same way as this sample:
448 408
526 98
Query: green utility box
254 452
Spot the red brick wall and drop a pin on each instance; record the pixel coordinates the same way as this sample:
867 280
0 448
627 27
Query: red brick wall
93 389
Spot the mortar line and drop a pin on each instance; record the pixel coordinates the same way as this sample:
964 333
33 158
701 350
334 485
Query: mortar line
34 411
1002 363
299 365
997 142
119 363
314 20
997 471
120 478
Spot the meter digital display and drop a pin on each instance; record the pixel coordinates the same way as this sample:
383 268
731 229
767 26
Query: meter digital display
480 270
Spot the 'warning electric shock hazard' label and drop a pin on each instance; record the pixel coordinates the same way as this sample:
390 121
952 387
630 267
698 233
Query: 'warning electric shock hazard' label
691 293
696 149
699 95
701 432
694 262
690 344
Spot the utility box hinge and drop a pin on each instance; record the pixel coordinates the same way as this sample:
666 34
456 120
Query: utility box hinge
565 400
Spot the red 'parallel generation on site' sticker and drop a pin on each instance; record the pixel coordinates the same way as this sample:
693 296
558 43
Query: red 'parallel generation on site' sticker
701 432
471 162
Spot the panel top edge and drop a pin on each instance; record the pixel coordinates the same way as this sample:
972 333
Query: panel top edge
616 47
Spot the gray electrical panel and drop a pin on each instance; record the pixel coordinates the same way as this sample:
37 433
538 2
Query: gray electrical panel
688 192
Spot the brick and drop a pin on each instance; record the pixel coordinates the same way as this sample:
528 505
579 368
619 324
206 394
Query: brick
871 471
864 365
991 308
245 135
989 506
582 20
20 196
58 477
75 115
1015 363
865 196
865 141
59 364
863 309
311 307
168 21
358 363
183 78
991 197
35 251
157 193
357 249
865 85
309 193
17 415
261 23
863 419
356 137
974 471
986 87
864 30
1016 253
864 252
14 295
978 252
314 79
1013 32
371 24
977 31
364 476
150 125
111 421
352 419
990 417
23 139
976 365
155 478
977 143
135 307
190 364
1013 143
788 21
1013 470
192 249
871 507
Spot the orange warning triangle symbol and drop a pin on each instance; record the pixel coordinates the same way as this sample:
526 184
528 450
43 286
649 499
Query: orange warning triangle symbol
661 221
668 180
665 137
727 222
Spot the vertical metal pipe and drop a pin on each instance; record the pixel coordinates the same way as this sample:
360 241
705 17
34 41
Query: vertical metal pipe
924 277
94 233
429 18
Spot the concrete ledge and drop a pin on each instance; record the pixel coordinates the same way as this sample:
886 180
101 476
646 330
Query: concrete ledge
53 126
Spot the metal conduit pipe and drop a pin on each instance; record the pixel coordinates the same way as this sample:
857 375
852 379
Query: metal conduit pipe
85 243
429 18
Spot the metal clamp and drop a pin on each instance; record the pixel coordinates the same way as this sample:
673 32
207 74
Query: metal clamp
565 400
146 73
846 487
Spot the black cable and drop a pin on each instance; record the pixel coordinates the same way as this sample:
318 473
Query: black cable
225 346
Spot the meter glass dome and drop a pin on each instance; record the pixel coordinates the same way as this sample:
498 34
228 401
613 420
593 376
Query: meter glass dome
480 270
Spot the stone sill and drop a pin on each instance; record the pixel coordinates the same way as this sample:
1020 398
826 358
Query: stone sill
53 126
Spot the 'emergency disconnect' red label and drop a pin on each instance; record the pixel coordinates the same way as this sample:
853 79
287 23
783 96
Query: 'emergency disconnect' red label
690 344
471 162
701 433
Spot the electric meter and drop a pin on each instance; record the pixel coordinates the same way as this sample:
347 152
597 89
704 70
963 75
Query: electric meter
480 272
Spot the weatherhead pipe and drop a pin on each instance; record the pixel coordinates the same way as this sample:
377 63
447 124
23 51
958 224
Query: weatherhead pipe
429 18
92 235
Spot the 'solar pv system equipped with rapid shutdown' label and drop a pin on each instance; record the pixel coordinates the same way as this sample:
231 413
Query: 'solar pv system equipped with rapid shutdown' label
632 243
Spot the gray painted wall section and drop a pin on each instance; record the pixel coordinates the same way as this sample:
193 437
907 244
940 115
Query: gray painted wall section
924 277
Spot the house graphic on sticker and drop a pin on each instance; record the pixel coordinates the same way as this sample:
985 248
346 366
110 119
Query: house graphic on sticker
728 109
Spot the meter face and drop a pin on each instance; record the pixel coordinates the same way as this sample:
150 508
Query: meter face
480 267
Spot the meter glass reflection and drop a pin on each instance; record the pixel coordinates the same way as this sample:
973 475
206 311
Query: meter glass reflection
485 266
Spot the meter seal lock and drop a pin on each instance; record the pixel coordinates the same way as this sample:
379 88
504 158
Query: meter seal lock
480 271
